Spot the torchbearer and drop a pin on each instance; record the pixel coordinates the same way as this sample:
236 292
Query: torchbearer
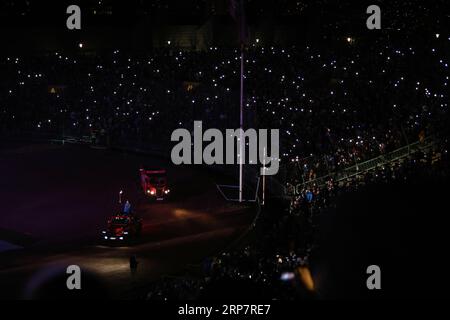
127 207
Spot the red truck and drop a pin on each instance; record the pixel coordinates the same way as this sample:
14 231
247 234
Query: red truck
154 183
122 227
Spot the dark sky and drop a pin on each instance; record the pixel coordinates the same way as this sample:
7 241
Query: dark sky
45 13
29 24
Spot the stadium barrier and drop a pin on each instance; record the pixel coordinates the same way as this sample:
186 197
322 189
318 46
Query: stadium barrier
373 163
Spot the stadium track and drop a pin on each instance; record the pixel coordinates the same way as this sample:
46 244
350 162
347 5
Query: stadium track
56 199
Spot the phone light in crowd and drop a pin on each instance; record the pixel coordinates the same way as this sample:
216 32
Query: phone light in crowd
168 42
287 276
437 35
257 40
80 45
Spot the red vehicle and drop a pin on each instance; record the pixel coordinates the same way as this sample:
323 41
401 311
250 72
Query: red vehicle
122 227
154 183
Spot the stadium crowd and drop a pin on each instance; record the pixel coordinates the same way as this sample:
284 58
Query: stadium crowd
282 264
334 107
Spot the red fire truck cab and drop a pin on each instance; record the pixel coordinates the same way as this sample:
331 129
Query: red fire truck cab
154 183
122 227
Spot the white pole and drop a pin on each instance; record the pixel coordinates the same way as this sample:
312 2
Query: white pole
264 178
241 151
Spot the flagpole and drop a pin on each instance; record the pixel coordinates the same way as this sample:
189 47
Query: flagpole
241 144
264 178
237 12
